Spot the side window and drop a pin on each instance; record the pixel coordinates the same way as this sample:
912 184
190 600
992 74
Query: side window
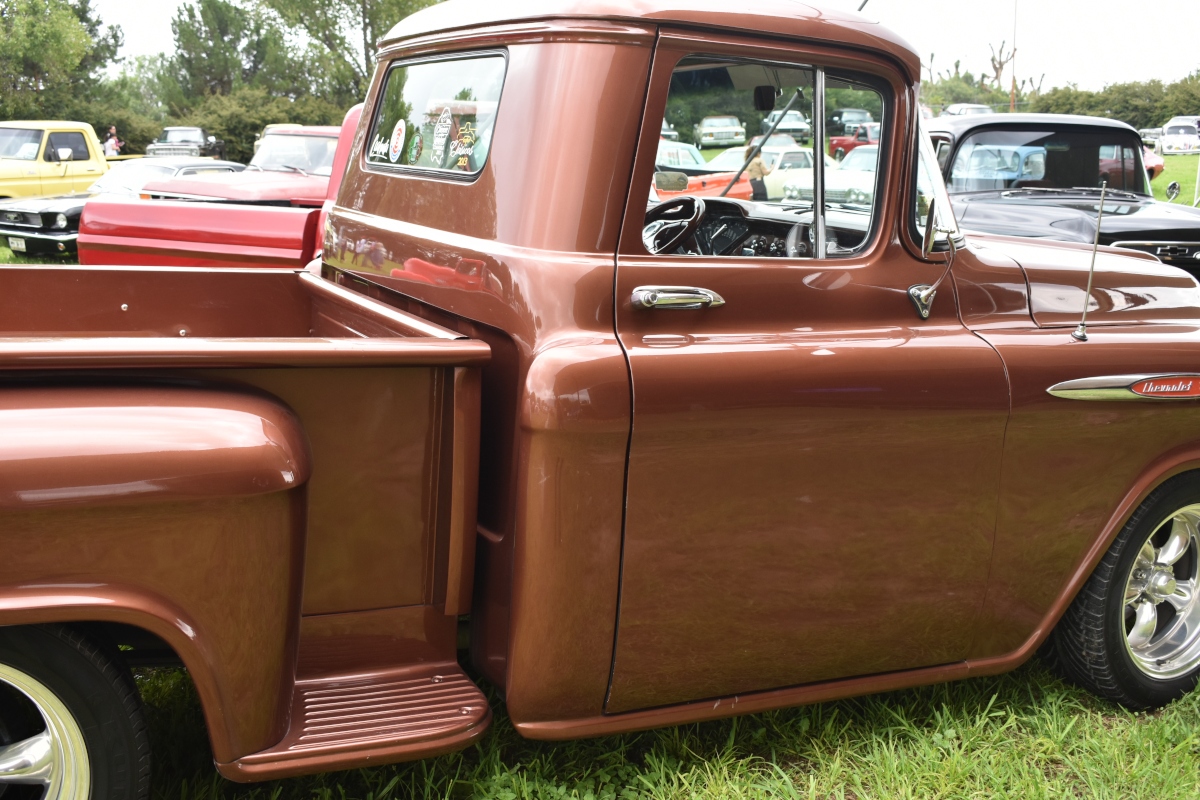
755 166
437 115
71 139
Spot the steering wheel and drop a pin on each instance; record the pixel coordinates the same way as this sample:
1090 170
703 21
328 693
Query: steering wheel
671 224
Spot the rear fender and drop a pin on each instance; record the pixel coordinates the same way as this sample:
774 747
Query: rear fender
177 510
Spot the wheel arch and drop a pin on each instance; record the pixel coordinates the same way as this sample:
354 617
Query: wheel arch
92 608
1170 465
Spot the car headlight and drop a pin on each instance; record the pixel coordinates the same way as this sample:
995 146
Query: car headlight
60 221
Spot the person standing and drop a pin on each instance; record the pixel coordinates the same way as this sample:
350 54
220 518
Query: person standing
112 144
756 170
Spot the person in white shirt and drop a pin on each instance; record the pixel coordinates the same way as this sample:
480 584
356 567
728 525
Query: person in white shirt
112 145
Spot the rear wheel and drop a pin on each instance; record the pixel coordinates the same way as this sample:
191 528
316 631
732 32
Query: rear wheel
1133 633
71 725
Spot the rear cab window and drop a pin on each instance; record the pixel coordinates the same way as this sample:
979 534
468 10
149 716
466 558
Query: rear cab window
437 115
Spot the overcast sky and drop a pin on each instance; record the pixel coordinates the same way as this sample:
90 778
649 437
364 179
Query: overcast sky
1090 43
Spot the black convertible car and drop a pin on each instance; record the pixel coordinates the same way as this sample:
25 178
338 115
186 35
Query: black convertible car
51 224
1039 175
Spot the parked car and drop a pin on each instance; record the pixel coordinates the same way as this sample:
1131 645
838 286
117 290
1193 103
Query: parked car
852 182
862 135
48 157
842 121
703 178
1054 194
1150 136
718 130
51 224
960 109
780 160
1180 136
219 232
292 167
186 141
1154 163
669 132
651 464
794 124
274 126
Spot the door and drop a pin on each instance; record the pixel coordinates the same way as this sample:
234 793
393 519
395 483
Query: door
813 469
74 175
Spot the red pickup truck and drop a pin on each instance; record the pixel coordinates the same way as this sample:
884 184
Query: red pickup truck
867 133
271 218
654 463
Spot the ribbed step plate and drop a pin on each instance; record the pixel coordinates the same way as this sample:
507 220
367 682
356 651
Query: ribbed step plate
387 717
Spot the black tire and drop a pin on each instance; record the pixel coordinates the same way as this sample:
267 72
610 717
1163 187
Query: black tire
1088 646
98 692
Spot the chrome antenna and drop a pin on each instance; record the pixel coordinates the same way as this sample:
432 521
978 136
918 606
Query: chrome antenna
1080 333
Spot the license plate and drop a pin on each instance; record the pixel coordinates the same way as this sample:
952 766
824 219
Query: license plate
16 245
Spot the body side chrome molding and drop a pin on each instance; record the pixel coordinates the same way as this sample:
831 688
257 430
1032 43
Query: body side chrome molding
1169 386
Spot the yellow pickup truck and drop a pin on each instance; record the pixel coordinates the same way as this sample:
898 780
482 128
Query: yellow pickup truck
48 157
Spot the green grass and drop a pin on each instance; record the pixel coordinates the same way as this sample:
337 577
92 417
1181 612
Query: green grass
9 257
1023 735
1178 168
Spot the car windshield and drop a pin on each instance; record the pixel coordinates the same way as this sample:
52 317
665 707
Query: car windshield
797 159
730 161
19 143
791 116
675 154
719 122
172 135
292 153
855 116
127 177
861 159
1181 130
1048 159
777 140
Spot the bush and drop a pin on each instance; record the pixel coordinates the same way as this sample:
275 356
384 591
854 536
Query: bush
240 116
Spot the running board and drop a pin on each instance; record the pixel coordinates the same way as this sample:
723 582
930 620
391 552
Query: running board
358 721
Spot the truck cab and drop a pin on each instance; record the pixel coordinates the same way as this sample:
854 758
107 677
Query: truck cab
48 157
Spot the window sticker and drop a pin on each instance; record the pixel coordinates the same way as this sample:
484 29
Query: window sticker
437 115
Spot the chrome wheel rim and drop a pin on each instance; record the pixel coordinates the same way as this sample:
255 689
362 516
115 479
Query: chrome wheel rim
1161 614
54 758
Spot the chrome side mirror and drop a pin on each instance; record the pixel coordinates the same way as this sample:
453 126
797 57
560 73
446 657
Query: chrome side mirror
930 230
670 181
65 154
1173 191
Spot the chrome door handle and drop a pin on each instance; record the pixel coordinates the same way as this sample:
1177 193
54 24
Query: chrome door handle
681 297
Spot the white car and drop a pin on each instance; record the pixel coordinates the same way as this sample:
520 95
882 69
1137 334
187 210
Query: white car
719 130
851 182
780 160
959 109
1180 135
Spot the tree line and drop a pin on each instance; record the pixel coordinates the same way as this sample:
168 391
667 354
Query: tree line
1142 104
235 66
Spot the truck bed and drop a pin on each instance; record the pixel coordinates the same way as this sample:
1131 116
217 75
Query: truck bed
146 460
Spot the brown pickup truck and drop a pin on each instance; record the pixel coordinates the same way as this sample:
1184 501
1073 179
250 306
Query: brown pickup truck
651 462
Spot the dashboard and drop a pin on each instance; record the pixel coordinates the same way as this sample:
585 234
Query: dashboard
746 229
